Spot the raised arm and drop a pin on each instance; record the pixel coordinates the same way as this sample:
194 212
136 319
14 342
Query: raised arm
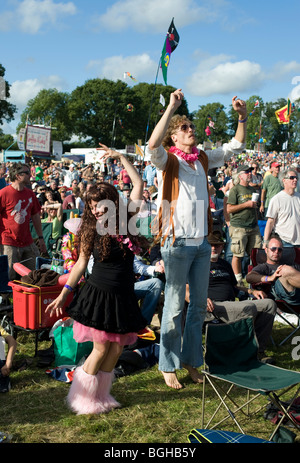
137 182
160 129
240 107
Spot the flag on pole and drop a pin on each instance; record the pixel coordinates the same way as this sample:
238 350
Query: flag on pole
138 150
282 115
171 42
162 100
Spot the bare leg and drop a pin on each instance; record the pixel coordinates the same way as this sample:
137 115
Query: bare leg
113 354
94 361
236 265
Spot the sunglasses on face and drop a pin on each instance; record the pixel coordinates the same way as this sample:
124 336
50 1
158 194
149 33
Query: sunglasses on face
273 249
186 127
292 177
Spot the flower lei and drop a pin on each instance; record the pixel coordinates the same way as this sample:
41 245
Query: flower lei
125 240
191 157
69 253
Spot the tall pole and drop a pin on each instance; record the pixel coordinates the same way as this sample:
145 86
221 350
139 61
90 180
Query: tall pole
148 123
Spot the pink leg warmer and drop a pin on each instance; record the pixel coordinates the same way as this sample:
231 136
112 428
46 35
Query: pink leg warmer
103 394
82 397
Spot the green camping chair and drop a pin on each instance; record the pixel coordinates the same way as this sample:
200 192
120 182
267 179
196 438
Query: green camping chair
47 235
231 362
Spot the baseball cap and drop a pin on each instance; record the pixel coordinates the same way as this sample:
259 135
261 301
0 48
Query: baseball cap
244 168
275 164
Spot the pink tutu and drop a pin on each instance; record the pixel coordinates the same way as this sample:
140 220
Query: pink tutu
82 333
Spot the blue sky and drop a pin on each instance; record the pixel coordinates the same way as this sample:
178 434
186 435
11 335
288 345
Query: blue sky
227 47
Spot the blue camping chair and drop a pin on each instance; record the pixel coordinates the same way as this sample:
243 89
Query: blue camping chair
231 362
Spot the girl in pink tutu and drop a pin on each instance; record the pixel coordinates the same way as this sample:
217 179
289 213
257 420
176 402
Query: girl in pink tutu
106 310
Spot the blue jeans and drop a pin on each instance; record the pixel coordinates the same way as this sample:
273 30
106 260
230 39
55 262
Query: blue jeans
150 291
183 264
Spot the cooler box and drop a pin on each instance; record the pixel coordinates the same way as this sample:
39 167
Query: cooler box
30 302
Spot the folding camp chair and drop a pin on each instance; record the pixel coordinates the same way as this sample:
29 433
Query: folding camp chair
290 255
231 360
47 235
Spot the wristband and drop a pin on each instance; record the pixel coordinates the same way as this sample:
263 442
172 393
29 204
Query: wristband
243 120
69 288
266 279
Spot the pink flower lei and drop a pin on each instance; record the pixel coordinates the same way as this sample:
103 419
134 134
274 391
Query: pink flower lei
125 240
192 157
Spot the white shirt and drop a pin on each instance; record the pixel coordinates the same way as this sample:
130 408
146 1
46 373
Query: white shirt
190 217
285 209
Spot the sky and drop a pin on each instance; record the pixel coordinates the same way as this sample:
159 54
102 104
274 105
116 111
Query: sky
226 47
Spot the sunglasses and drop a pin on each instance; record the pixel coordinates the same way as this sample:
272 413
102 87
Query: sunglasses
292 177
273 249
27 173
186 127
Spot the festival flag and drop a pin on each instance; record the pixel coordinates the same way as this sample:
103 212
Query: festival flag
138 150
162 100
171 42
256 105
282 115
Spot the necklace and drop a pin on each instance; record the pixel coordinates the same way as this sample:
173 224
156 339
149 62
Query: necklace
188 157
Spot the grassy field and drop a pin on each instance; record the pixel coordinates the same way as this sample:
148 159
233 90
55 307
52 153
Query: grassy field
34 411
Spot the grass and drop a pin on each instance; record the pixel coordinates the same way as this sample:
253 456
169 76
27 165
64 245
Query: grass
34 411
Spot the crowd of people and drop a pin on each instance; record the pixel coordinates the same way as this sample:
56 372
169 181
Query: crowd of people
205 211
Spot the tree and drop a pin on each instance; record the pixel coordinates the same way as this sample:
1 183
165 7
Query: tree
49 107
7 110
105 111
214 113
151 109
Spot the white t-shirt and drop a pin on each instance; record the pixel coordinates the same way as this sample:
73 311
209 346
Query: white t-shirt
190 216
285 209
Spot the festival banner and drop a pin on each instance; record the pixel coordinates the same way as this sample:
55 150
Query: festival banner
282 115
38 139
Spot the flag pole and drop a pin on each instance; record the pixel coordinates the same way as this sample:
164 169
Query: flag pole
150 109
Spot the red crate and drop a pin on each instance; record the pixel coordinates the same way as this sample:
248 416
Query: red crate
30 302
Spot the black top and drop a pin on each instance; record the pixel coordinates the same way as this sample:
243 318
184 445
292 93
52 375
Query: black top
222 281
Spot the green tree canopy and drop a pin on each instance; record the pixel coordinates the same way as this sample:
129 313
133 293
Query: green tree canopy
7 110
49 107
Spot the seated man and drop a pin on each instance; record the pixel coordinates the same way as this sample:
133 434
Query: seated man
222 291
148 289
277 279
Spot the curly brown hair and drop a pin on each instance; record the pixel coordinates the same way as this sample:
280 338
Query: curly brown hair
175 123
88 235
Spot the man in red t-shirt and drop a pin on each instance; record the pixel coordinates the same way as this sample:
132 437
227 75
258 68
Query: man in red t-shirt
19 205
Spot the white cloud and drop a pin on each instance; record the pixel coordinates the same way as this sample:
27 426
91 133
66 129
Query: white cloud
32 16
218 75
155 15
23 91
295 93
140 66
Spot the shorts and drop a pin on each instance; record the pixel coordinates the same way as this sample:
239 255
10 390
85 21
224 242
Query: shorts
279 292
243 240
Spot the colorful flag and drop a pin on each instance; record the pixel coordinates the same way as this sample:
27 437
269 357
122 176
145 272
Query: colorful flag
282 116
173 36
256 104
170 44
